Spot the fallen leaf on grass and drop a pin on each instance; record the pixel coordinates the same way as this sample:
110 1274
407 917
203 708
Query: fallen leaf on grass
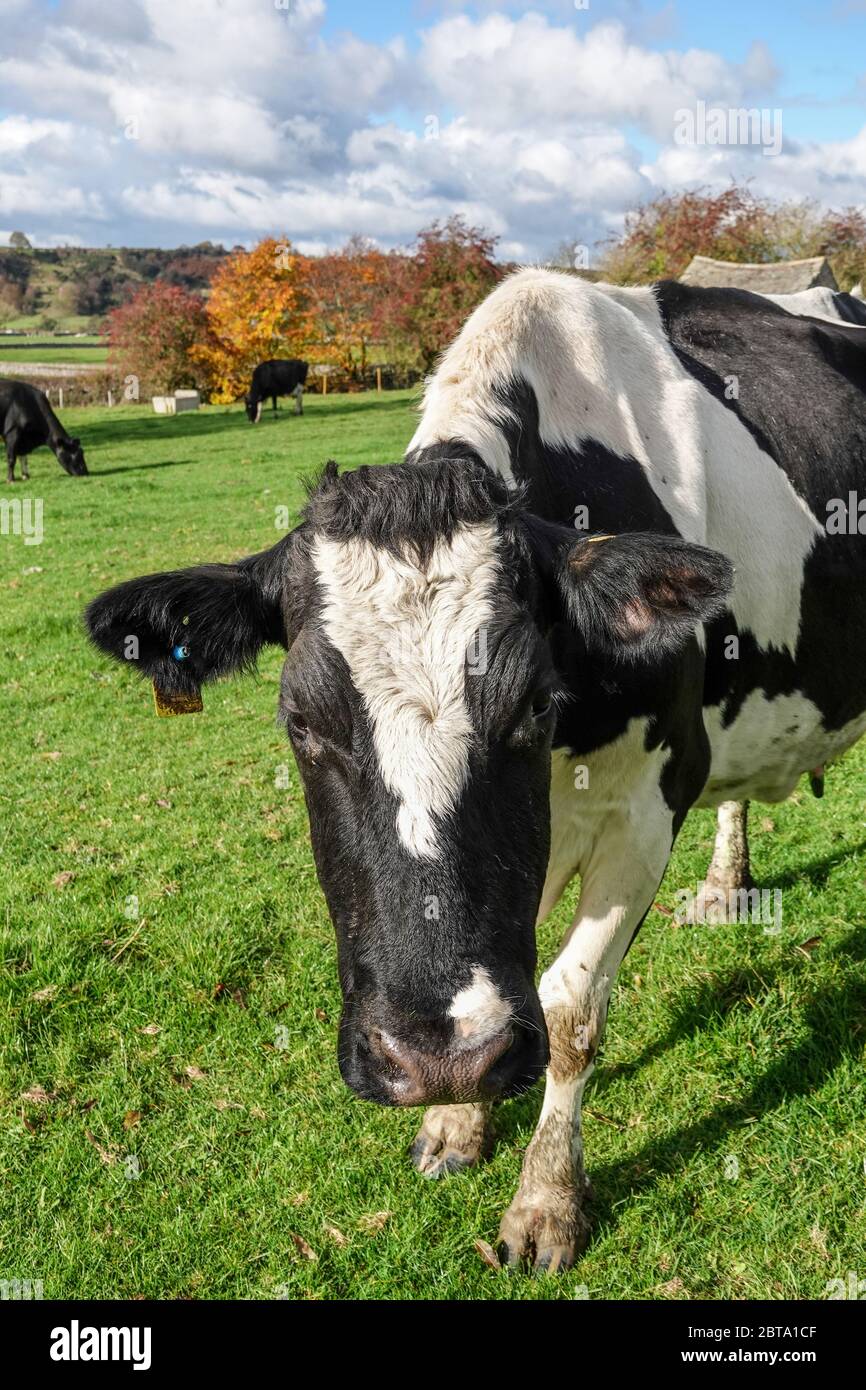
36 1096
487 1253
665 911
605 1119
374 1221
151 1030
52 756
807 946
298 1199
227 1105
131 1119
674 1288
43 995
304 1249
336 1235
107 1155
194 1073
60 880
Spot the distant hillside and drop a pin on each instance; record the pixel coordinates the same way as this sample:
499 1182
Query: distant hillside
74 287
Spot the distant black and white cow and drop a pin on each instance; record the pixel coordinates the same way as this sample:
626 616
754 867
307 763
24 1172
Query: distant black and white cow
483 703
823 303
276 378
27 422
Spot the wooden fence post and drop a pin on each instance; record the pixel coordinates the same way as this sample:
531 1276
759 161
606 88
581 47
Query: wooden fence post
60 396
378 378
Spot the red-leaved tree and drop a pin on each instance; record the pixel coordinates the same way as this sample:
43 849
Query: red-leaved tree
150 337
428 295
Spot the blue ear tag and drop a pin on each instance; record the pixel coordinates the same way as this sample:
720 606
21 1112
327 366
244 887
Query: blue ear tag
180 653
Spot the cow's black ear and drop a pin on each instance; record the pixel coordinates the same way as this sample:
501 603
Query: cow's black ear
640 595
186 627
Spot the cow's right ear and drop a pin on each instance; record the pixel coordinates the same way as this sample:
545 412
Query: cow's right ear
637 596
640 596
186 627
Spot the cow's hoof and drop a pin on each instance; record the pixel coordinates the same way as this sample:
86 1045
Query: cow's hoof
452 1137
716 902
549 1235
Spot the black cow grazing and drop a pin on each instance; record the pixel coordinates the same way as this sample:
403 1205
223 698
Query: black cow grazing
276 378
484 701
27 422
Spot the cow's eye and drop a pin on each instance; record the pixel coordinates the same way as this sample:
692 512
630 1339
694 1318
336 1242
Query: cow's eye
542 705
298 726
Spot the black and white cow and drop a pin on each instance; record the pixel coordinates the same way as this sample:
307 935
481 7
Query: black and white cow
27 422
276 378
483 703
730 867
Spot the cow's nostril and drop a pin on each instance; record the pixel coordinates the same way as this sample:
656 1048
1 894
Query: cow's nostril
412 1076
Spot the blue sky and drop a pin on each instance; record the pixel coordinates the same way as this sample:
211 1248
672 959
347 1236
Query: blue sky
158 123
820 49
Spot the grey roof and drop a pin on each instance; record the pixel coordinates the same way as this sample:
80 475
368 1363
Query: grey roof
774 277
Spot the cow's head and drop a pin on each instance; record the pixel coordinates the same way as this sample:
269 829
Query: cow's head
70 456
416 603
253 407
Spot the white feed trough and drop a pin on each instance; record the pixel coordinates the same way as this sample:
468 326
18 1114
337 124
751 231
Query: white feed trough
176 404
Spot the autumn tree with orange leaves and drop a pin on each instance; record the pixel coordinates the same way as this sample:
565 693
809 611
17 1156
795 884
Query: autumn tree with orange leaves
258 308
344 289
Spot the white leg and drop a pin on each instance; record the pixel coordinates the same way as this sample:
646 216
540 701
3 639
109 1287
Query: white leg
729 869
546 1222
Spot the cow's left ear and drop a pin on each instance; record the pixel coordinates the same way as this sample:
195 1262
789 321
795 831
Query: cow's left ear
640 595
185 627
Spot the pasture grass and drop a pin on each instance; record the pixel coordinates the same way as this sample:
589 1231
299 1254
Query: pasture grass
52 356
172 1121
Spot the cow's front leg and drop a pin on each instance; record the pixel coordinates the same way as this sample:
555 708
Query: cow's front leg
452 1137
546 1222
729 871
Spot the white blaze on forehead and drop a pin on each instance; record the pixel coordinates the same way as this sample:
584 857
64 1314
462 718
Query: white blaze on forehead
404 631
479 1011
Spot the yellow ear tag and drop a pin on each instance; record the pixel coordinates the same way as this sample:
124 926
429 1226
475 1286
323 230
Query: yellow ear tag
593 540
176 704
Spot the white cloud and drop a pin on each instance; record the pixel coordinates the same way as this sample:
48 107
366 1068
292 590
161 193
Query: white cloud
33 195
248 120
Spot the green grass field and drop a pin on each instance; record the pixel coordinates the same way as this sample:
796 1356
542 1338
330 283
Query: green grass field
18 348
172 1120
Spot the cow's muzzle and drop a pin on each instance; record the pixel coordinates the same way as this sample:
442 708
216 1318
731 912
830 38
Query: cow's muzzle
392 1071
